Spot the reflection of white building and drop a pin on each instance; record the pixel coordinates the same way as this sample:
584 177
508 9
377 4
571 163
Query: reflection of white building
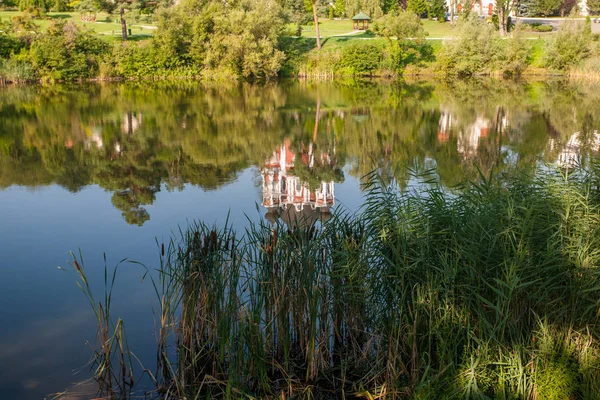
569 156
469 139
444 126
94 137
283 190
131 122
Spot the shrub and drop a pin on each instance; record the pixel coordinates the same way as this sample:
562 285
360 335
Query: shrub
475 50
16 70
66 52
516 53
360 58
570 45
538 27
406 39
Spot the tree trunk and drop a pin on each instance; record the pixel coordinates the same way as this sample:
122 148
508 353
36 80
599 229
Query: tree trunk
501 21
123 25
314 7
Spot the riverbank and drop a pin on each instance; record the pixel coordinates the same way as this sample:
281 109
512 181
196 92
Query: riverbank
66 51
490 290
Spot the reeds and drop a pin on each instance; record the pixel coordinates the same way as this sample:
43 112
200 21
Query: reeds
491 290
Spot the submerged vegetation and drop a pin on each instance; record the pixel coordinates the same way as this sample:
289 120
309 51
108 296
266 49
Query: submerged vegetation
490 290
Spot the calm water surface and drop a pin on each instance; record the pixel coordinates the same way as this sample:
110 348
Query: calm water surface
114 169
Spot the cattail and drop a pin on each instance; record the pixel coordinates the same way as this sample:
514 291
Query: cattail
162 251
77 266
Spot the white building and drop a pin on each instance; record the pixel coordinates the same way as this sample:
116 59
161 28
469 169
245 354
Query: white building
488 7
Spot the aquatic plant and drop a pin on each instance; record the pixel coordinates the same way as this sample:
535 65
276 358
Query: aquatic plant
490 290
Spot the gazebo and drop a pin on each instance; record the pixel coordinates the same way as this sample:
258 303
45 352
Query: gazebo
358 18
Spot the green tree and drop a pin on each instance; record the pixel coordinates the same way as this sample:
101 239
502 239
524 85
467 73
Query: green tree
544 8
593 7
437 9
66 52
418 7
503 10
475 49
340 8
406 38
36 7
570 45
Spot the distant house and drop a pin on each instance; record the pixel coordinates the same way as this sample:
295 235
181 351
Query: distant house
488 7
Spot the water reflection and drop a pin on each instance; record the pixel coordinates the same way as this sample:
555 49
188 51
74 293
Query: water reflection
138 140
111 158
287 196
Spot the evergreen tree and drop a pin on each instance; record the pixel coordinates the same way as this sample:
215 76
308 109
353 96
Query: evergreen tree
418 7
389 6
340 8
437 9
544 8
593 7
35 6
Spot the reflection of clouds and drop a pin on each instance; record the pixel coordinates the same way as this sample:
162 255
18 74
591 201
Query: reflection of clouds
569 156
40 351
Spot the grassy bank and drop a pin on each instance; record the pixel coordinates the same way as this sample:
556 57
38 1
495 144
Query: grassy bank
185 45
488 291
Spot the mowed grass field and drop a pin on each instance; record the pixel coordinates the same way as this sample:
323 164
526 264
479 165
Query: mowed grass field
105 24
343 27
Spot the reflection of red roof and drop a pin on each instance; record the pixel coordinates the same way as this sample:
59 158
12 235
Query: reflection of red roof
277 159
281 189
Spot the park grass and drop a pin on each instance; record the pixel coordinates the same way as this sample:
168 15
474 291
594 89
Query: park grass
437 29
105 24
488 291
337 27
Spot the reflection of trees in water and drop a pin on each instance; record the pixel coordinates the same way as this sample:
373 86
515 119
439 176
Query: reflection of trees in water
132 139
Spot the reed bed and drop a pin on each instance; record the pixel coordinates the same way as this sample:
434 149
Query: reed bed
490 290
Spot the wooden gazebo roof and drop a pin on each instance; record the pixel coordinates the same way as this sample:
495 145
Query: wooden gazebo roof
361 16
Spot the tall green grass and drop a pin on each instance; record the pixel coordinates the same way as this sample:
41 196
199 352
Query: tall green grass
491 290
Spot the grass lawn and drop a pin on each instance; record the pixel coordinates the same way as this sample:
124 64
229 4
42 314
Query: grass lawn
337 27
328 28
104 25
435 30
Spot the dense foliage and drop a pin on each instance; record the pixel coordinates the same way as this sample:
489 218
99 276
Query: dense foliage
490 291
257 40
135 140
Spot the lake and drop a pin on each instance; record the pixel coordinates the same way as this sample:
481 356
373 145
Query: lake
118 169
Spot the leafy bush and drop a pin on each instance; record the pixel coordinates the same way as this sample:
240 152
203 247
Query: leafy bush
475 50
516 53
16 70
241 39
406 40
66 52
570 45
538 27
360 58
133 61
